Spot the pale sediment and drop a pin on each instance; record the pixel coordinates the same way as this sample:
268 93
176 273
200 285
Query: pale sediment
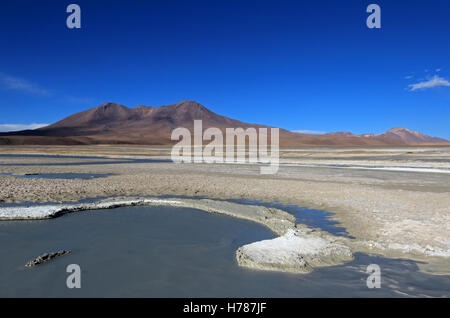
299 250
51 211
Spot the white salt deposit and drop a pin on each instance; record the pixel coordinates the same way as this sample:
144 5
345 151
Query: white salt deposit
298 250
49 211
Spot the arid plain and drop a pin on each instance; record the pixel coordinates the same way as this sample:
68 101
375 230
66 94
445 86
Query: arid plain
392 201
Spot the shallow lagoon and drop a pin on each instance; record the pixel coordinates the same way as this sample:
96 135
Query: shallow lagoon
99 160
177 252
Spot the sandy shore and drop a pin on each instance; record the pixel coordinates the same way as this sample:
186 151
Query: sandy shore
393 213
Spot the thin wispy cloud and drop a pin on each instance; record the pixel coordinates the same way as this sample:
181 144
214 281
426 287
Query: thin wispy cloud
19 84
435 81
18 127
312 132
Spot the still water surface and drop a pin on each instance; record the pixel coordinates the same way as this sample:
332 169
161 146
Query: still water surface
177 252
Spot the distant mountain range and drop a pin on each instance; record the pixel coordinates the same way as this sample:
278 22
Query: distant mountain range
111 123
399 133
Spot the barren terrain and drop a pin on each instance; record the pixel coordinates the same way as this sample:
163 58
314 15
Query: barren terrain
390 212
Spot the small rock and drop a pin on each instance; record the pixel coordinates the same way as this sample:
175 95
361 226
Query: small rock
45 258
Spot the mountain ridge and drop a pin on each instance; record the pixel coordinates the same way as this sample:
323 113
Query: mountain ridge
399 133
112 123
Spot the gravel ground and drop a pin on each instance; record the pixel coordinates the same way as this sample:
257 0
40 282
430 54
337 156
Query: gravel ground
399 214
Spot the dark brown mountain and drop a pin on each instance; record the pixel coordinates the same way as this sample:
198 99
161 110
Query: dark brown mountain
111 123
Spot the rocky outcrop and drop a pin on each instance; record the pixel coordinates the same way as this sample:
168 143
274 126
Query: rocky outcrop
45 258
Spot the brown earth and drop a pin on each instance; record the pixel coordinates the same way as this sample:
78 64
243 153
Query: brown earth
111 123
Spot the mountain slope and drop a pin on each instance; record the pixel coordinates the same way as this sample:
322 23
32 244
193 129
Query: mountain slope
112 123
400 134
410 136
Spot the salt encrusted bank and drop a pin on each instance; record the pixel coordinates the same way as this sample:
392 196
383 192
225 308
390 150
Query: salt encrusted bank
51 211
299 251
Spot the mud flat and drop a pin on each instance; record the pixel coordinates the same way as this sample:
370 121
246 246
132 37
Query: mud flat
401 214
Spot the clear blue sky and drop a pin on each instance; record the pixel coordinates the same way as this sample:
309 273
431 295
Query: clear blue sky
300 65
